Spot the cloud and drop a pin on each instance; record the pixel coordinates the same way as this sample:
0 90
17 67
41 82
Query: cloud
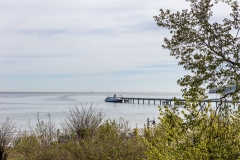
90 43
42 32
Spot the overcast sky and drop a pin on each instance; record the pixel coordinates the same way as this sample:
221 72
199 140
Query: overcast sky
83 46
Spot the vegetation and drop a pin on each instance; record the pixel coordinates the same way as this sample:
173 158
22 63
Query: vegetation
6 136
84 136
210 50
194 134
83 122
194 129
187 130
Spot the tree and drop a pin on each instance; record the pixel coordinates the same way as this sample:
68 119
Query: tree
210 50
7 129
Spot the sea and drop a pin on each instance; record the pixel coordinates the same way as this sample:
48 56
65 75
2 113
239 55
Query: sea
23 107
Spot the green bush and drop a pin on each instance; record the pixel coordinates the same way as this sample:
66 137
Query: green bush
106 141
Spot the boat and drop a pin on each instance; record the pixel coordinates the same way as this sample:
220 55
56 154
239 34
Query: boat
227 89
114 99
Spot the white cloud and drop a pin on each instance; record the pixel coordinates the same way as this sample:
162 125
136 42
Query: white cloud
42 38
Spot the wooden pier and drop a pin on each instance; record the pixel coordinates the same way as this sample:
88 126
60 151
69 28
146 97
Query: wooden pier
143 100
162 101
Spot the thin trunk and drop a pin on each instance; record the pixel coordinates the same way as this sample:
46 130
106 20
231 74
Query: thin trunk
1 155
5 156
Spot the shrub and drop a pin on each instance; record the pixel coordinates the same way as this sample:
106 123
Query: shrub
7 129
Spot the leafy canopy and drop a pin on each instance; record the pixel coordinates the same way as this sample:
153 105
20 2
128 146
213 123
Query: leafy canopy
210 50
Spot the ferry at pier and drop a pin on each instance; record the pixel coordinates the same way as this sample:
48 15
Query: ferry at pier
114 99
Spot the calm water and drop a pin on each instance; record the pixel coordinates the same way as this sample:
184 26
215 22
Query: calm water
24 106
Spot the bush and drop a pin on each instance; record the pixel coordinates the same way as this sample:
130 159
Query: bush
103 141
7 129
83 122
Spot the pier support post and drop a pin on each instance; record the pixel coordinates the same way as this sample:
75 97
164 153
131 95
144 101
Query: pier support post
143 101
133 100
148 123
138 100
154 102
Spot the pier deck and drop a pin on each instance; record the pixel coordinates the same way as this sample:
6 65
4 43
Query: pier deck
162 101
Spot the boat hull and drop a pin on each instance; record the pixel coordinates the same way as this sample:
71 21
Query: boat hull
115 101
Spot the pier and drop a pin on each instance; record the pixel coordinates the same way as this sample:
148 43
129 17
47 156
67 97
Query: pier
144 100
162 101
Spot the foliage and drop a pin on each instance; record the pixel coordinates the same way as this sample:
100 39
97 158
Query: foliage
46 131
39 142
195 134
210 50
83 122
109 141
7 129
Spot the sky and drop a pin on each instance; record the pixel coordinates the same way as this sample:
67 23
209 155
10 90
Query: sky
87 46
